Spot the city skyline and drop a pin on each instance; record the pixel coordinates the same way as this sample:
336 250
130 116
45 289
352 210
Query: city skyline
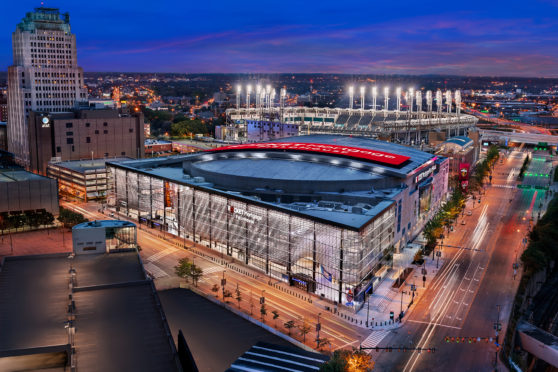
437 38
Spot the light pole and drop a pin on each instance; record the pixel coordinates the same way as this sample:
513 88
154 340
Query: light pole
318 327
223 282
401 309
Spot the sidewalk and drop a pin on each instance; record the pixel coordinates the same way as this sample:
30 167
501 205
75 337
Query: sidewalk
386 299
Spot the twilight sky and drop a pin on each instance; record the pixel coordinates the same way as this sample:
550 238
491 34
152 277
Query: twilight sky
489 37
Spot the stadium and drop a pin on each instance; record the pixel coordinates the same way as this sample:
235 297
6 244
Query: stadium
390 122
321 212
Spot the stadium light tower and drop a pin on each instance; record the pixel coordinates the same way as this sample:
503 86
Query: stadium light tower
374 96
439 102
429 101
362 91
386 99
351 96
419 101
248 91
448 100
272 97
268 95
238 91
258 92
409 99
282 96
398 93
458 102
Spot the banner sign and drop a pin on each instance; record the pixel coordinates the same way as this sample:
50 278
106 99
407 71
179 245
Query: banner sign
353 152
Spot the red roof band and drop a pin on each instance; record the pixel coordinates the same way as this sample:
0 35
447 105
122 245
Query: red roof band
353 152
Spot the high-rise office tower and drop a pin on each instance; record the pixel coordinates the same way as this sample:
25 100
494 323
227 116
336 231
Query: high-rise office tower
44 77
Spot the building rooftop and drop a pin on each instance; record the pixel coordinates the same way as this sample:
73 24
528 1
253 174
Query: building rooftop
119 323
82 166
18 175
104 223
460 140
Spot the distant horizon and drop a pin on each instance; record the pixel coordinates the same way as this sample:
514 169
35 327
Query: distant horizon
480 39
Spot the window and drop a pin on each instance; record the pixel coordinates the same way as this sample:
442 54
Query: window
123 153
105 124
106 154
105 131
131 130
87 125
69 133
88 139
69 141
69 125
96 132
58 149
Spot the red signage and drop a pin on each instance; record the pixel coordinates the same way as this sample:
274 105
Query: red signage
353 152
464 175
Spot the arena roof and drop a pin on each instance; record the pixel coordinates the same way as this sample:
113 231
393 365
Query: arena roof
288 174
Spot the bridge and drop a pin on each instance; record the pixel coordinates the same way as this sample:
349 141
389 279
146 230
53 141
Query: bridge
515 137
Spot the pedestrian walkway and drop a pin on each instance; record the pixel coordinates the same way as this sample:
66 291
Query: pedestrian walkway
374 339
155 271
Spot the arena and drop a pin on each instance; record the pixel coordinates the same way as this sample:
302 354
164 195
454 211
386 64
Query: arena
321 212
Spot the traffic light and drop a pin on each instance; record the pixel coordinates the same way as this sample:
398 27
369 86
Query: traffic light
457 340
463 339
470 340
447 339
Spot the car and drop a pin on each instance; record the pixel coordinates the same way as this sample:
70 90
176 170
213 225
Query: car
469 213
112 214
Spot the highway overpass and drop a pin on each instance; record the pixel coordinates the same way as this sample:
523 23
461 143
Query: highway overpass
514 137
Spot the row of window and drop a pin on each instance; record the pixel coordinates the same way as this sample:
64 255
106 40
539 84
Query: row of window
48 45
56 74
59 149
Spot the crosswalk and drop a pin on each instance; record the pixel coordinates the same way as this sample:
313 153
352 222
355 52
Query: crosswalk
157 256
155 271
374 339
212 269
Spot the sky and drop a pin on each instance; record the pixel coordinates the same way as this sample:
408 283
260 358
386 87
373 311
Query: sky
479 38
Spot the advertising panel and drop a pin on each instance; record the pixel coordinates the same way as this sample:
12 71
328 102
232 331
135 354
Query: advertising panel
353 152
464 175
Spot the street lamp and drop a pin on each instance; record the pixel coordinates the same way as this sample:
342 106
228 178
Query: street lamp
318 327
401 309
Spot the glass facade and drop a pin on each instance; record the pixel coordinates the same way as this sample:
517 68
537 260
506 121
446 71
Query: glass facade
334 262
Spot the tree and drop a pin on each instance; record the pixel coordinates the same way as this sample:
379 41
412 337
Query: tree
304 329
215 289
186 269
70 218
275 316
322 342
196 274
238 295
289 325
263 312
226 294
348 361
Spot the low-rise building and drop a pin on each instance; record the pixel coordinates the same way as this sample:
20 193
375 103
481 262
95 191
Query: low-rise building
459 150
22 191
81 179
153 146
106 236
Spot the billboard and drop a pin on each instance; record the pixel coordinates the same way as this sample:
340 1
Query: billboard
352 152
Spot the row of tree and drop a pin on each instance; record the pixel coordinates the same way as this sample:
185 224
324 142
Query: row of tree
69 218
187 128
542 250
449 212
524 167
33 219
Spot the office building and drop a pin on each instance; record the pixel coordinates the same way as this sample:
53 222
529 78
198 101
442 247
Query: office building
83 134
44 76
320 212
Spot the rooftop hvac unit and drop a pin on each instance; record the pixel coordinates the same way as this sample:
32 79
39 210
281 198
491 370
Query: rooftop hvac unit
199 179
